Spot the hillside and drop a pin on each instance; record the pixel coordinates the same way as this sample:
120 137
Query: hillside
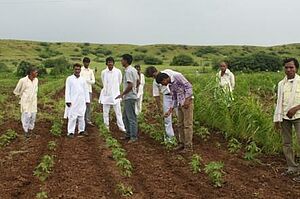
14 51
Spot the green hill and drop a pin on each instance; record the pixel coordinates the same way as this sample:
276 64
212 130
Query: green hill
14 51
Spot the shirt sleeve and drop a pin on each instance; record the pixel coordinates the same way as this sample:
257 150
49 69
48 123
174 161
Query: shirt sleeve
130 76
232 81
68 91
155 89
87 93
19 88
91 80
120 77
187 86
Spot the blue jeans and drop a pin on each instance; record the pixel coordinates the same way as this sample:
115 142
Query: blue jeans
130 119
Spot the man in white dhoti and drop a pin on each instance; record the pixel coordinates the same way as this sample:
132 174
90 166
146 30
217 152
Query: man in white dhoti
225 78
111 78
27 89
76 98
140 93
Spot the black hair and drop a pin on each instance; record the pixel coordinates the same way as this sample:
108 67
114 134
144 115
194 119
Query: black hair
86 60
287 60
31 69
137 66
160 77
128 58
76 65
108 59
150 70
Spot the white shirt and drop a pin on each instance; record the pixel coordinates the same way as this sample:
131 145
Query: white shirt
77 94
88 75
111 81
227 80
141 86
27 90
158 88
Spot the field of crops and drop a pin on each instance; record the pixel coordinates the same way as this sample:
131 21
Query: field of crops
237 153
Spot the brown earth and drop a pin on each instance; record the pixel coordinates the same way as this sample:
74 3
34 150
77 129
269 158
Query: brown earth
84 169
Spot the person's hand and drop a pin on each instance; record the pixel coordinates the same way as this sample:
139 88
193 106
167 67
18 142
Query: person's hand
119 96
277 126
168 113
292 112
68 104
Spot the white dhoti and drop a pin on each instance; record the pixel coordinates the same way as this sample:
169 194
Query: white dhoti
28 120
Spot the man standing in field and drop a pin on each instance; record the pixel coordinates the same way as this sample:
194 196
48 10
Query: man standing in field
140 91
129 95
27 89
182 95
287 112
111 78
77 98
151 71
88 74
225 78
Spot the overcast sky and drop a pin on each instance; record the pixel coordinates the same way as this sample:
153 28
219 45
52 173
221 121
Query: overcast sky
195 22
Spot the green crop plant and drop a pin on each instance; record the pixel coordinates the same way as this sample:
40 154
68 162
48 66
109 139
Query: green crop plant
252 151
52 145
6 138
215 173
203 133
41 195
56 128
44 168
125 166
118 153
124 190
234 145
196 163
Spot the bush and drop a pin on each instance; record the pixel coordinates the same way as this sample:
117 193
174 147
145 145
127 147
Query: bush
142 50
59 65
182 60
47 53
24 66
85 51
102 51
205 50
260 61
152 60
139 57
4 67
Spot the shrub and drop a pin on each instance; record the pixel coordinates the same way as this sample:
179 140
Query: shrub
260 61
152 60
23 67
142 50
205 50
59 65
102 51
85 51
139 57
47 53
4 67
182 60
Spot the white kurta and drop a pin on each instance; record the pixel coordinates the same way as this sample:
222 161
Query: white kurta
88 75
141 86
226 81
76 93
27 90
111 81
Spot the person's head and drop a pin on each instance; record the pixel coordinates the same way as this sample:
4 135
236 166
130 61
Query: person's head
291 66
151 71
126 60
223 66
163 78
138 68
32 72
110 62
77 69
86 62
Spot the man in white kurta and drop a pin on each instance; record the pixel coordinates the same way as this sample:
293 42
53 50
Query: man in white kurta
111 78
140 93
76 98
88 74
27 89
225 78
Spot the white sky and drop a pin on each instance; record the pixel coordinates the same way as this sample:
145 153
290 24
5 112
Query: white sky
195 22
